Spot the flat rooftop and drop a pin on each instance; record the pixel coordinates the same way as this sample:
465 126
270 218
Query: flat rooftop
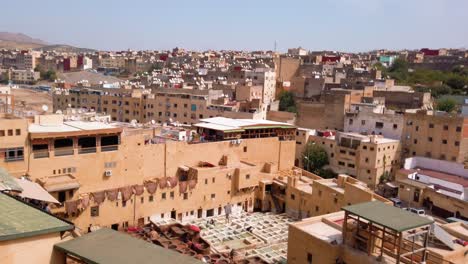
323 231
388 216
439 175
229 124
79 127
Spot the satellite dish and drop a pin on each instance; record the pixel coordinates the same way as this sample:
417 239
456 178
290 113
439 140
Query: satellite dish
45 108
69 105
153 122
58 112
170 120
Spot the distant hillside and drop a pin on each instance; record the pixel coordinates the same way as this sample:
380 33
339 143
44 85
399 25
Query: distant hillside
20 38
9 40
6 44
64 48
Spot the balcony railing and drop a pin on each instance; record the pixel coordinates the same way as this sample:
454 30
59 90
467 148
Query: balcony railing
109 148
17 158
39 154
63 152
87 150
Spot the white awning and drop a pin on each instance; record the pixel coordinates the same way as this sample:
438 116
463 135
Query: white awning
34 191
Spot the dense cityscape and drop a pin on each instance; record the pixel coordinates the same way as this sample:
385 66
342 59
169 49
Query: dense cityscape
231 156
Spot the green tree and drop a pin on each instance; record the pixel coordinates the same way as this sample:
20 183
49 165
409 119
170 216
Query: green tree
49 75
287 102
447 105
314 157
456 82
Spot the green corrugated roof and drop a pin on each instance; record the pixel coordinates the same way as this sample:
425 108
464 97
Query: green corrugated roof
108 246
388 216
7 182
18 220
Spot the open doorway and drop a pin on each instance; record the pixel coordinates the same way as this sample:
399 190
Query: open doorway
173 214
115 227
200 213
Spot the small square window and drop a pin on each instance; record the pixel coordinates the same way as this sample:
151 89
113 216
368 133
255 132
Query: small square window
293 197
94 211
2 133
163 196
247 176
444 141
245 149
172 195
151 198
213 196
445 127
10 132
18 132
457 143
185 196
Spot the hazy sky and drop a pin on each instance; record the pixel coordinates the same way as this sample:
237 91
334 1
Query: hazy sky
349 25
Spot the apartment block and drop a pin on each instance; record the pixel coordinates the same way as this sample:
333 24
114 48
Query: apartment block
374 119
185 106
435 135
307 194
367 158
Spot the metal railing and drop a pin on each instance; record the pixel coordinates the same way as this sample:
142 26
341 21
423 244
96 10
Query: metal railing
63 151
109 148
87 150
16 158
39 154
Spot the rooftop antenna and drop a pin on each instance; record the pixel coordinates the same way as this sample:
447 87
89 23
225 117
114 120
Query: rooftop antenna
275 46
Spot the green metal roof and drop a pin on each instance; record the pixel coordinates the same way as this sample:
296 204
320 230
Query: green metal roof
7 182
19 220
388 216
108 246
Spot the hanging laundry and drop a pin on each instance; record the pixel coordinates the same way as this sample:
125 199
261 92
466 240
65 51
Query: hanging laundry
192 184
183 187
163 183
138 189
173 181
151 186
84 201
112 194
99 197
71 207
126 192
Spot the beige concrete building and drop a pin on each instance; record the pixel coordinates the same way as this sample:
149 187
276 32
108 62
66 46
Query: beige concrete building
329 111
345 237
24 76
367 158
28 234
435 135
439 186
374 119
80 163
307 194
185 106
